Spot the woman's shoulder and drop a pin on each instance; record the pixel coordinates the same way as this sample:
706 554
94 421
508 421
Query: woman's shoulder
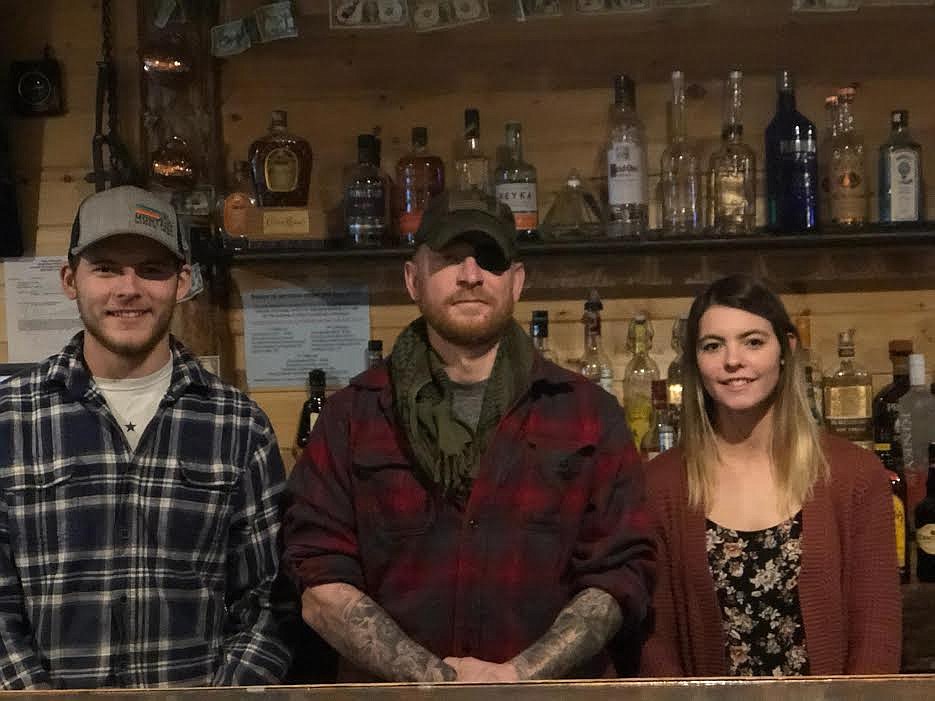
665 472
851 467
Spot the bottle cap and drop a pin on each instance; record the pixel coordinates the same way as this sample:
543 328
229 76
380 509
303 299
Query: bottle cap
316 379
540 316
375 344
900 347
899 119
593 303
917 369
784 81
420 136
278 118
624 91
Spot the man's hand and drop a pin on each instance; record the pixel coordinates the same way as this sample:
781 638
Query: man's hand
473 670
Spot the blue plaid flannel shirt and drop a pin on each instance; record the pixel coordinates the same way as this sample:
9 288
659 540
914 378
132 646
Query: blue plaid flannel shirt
142 569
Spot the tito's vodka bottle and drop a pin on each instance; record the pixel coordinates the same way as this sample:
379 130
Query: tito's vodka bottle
472 169
900 174
627 205
516 185
681 208
733 169
848 396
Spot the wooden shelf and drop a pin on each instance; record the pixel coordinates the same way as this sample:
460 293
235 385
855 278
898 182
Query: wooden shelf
877 259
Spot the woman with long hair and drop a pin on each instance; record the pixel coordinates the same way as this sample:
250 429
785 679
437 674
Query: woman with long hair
776 544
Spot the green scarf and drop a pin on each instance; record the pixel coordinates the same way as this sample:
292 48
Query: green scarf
446 451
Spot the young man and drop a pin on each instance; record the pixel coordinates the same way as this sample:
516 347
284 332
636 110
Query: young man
471 511
139 495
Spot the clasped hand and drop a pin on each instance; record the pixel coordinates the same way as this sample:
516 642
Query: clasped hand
473 670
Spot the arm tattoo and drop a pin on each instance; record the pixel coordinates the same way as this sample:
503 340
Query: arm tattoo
365 634
580 631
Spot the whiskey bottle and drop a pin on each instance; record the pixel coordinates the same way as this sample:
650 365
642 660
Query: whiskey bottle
419 177
595 365
282 166
792 197
925 525
848 396
627 203
810 367
848 178
365 197
733 169
539 331
900 174
311 408
516 185
238 209
472 169
374 353
638 378
661 436
681 207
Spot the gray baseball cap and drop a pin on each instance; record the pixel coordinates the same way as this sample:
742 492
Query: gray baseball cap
126 210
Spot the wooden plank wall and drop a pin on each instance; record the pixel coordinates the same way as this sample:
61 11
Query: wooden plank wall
52 155
556 78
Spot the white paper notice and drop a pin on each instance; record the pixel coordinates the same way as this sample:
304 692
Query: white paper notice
40 319
288 332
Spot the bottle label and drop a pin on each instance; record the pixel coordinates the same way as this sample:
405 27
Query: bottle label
639 411
237 206
312 420
798 149
899 514
366 199
281 170
848 403
925 538
522 200
904 185
674 393
848 187
626 174
731 202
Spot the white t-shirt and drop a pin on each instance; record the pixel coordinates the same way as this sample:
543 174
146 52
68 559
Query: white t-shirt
134 402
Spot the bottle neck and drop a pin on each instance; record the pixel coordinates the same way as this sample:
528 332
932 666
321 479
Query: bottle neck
592 334
472 143
679 126
845 119
540 343
785 101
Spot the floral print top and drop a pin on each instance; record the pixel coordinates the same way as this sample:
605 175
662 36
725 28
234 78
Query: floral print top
756 576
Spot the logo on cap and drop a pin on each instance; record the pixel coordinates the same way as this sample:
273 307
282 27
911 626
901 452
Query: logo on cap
152 218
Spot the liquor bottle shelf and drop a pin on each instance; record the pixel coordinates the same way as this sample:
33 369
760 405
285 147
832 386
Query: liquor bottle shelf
655 266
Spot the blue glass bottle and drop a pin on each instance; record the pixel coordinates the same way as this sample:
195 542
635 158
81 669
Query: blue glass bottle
792 184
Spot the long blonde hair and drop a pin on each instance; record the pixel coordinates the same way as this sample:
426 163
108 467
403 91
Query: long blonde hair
796 454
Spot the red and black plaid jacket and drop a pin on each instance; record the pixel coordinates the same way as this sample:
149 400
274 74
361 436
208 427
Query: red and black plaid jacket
557 507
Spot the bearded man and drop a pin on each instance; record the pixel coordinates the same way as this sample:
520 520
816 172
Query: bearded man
469 511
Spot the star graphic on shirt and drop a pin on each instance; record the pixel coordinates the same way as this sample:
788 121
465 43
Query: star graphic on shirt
131 426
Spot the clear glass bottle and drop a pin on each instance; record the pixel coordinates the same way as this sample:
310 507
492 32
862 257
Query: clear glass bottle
365 197
916 419
238 209
575 213
901 191
627 199
311 408
516 185
595 364
472 169
792 187
848 396
661 436
539 331
681 206
374 353
674 372
638 377
810 366
824 157
419 177
848 174
282 165
733 169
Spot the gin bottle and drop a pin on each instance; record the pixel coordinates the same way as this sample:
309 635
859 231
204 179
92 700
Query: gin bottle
638 378
681 207
595 365
472 169
901 174
848 396
848 179
791 165
419 177
733 169
627 204
516 185
365 203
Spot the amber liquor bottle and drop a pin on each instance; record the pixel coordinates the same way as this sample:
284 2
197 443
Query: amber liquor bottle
419 177
281 164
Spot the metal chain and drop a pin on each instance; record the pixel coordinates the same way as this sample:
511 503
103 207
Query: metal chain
107 56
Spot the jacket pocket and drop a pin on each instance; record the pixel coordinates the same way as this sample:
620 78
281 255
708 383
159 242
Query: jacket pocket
392 497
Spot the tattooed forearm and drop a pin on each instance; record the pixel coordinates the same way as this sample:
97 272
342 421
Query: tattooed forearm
580 631
361 631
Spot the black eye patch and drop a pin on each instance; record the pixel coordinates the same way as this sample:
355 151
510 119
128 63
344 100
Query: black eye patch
490 258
